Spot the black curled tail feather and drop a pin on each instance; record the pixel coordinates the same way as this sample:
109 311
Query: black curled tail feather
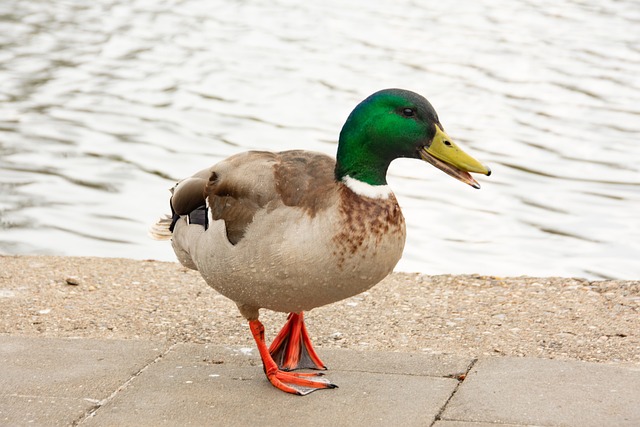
163 228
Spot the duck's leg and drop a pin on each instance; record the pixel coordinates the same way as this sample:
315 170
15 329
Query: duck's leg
296 383
292 348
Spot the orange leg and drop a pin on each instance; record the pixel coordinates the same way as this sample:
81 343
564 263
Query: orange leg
292 348
296 383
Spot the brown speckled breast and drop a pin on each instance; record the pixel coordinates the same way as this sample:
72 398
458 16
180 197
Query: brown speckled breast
366 221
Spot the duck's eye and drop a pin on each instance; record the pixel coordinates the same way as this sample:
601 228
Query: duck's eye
408 112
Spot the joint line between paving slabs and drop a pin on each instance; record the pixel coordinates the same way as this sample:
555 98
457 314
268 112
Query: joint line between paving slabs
124 385
438 416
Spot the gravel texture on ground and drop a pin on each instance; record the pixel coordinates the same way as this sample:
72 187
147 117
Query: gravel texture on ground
551 317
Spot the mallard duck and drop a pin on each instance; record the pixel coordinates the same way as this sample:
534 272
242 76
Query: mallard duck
294 230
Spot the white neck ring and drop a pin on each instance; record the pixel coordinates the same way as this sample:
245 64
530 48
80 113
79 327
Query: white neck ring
367 190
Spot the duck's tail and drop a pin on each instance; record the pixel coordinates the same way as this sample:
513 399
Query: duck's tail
161 230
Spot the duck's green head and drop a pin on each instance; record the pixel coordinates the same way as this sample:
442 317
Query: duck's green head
394 123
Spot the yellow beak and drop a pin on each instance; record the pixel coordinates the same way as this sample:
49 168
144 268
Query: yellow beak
448 157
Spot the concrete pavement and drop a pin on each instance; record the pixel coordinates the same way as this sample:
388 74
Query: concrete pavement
85 382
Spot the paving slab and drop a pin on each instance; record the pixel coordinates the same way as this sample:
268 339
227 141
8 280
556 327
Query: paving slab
526 391
20 410
442 423
52 382
48 381
212 385
434 365
474 424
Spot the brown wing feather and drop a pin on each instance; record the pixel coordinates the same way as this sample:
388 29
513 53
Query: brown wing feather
305 179
239 186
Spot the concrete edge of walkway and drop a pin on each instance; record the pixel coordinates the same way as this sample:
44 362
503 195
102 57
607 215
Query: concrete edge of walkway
52 381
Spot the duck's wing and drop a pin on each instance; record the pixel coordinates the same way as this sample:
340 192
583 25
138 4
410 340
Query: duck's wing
237 187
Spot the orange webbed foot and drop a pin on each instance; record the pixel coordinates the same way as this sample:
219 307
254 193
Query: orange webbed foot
300 383
292 348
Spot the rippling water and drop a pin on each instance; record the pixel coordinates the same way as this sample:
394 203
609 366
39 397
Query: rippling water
105 104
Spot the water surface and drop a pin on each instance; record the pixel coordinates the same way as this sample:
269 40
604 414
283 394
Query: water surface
105 104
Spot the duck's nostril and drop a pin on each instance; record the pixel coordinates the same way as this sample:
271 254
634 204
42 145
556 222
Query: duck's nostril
447 143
